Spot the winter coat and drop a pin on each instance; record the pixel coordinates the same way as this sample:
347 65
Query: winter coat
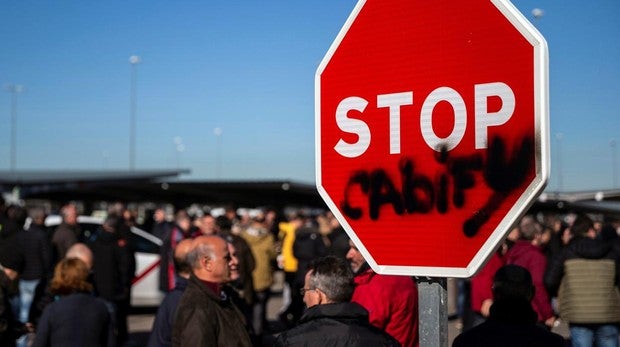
37 252
287 235
161 333
525 254
77 319
308 246
511 324
170 239
8 322
65 236
587 274
338 243
392 304
111 266
332 325
204 318
263 249
482 283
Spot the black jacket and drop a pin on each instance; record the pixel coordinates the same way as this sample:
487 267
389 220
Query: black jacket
10 328
583 248
511 324
331 325
308 246
111 266
37 252
77 319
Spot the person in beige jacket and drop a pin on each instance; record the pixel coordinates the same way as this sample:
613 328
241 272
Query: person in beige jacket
585 276
262 244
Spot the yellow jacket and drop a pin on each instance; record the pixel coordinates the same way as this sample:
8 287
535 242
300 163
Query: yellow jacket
287 235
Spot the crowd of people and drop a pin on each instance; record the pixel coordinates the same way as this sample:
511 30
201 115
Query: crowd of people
574 265
257 246
66 286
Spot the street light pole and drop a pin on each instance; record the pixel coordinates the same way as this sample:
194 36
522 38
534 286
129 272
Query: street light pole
614 172
14 89
134 60
218 149
559 137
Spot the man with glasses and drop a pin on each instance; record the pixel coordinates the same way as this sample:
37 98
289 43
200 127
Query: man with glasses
331 320
205 315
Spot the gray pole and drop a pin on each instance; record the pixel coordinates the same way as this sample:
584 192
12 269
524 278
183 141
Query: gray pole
614 172
133 60
433 311
218 149
559 137
14 89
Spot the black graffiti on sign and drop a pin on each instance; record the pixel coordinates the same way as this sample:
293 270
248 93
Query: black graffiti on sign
503 172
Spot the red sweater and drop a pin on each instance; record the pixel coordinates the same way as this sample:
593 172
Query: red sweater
392 304
482 283
523 253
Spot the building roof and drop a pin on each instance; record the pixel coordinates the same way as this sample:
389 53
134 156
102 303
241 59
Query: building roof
156 186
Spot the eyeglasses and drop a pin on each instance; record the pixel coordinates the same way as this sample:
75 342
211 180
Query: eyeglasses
303 291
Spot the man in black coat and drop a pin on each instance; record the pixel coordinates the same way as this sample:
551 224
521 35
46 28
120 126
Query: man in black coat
37 255
331 320
113 271
512 321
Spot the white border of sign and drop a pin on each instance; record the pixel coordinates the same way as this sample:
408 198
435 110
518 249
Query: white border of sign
541 91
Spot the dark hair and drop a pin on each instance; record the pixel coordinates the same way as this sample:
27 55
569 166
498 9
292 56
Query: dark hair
223 223
181 264
332 276
513 282
581 225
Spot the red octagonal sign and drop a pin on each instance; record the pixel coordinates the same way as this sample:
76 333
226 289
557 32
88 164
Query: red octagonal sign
432 130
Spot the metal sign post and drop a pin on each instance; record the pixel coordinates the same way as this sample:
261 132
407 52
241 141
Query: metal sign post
433 311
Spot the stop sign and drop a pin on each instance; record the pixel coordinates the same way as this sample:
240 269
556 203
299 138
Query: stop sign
432 131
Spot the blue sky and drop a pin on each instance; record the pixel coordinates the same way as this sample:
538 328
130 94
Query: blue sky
247 67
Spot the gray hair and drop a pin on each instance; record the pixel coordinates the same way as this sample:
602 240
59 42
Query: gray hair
529 227
200 250
332 276
37 214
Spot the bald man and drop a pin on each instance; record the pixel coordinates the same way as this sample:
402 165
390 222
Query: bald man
161 334
82 252
206 317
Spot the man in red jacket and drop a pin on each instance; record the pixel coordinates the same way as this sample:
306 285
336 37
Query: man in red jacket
392 301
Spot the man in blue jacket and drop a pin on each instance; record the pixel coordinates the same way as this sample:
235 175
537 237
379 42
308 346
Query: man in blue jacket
161 334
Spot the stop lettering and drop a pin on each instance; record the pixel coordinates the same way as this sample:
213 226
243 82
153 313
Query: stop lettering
395 101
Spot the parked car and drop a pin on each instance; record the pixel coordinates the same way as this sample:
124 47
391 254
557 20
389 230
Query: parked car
145 285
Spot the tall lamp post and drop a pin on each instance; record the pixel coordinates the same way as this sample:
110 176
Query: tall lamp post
179 148
134 60
559 137
614 172
14 89
218 149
